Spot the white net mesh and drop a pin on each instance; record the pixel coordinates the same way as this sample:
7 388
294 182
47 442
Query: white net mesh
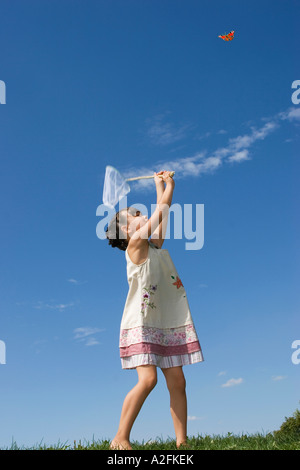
115 187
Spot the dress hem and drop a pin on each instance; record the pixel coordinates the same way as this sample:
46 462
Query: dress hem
164 362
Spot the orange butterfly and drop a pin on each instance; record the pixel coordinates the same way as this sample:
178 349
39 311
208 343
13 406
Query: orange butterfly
227 37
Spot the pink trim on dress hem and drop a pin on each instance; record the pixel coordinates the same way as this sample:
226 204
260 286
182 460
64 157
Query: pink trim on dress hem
163 336
151 348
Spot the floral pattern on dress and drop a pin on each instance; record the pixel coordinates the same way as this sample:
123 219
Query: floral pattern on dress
165 337
178 282
146 294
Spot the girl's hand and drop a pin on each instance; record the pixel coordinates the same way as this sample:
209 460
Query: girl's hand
158 179
167 178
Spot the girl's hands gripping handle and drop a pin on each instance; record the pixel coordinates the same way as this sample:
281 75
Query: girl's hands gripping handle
160 178
164 176
162 208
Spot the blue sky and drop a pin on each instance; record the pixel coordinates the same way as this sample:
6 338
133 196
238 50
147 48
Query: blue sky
144 86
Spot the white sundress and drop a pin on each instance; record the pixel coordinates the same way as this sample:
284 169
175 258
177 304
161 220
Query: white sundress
157 327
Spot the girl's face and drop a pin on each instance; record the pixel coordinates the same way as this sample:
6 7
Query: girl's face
135 220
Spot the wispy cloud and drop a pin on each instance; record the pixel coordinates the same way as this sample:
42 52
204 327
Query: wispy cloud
292 114
53 306
194 165
203 136
239 156
232 382
87 334
237 148
160 131
76 282
235 151
276 378
194 418
202 286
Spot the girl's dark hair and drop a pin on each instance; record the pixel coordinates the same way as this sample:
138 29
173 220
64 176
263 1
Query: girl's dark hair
117 238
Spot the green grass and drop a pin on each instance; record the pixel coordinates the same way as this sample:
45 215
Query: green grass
228 442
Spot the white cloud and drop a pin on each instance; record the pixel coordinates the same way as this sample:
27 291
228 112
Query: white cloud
91 341
240 142
183 167
276 378
205 135
84 331
61 307
238 146
236 150
76 282
239 156
232 382
292 114
194 166
202 286
223 372
86 334
194 418
162 132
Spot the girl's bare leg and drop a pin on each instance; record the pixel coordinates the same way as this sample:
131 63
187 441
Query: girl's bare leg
147 379
178 402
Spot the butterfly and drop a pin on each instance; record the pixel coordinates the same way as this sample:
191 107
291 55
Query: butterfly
227 37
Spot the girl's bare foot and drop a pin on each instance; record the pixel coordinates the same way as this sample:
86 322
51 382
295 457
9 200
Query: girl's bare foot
182 445
123 444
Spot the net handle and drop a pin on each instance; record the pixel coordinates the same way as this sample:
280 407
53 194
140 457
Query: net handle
172 173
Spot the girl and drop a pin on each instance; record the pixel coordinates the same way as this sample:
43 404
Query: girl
157 329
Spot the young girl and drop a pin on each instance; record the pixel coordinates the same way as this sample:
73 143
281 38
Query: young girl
157 329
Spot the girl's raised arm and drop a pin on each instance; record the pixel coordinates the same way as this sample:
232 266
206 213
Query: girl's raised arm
160 215
158 236
160 186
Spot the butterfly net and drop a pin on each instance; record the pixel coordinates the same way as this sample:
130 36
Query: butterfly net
115 187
